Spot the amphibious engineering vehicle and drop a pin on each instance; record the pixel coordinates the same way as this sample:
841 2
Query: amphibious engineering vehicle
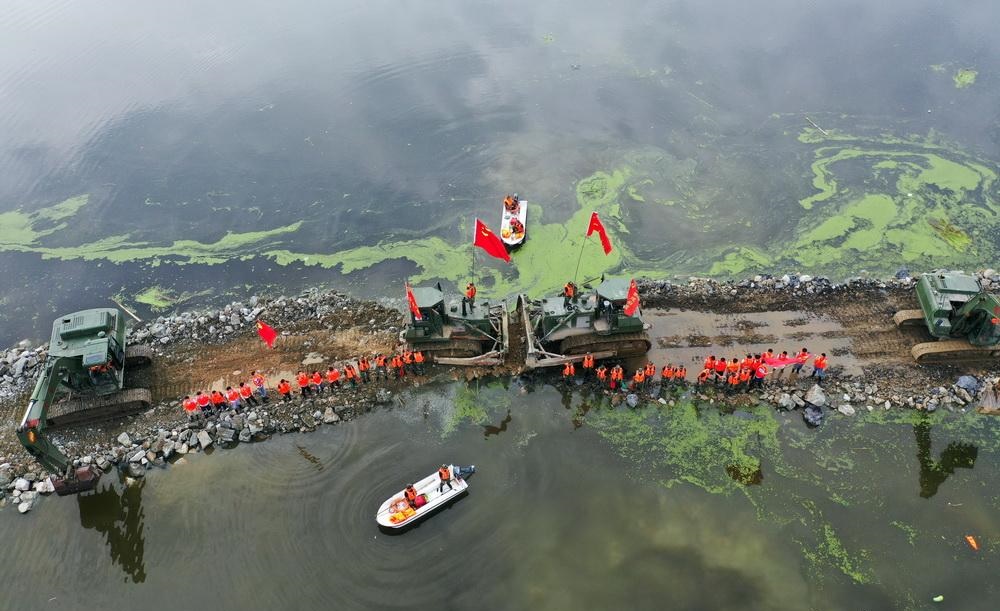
594 322
457 333
955 309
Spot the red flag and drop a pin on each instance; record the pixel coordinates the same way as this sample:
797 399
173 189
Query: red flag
488 241
778 361
267 333
410 299
632 299
598 226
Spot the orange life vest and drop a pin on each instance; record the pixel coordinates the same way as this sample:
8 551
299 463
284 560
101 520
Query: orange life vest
203 400
407 357
720 367
332 375
602 372
363 364
820 362
418 357
302 379
704 375
349 372
733 366
709 363
569 290
284 388
650 370
746 363
217 398
639 376
317 378
411 494
233 395
745 375
681 373
734 380
190 405
761 372
397 362
444 474
470 291
258 381
245 391
380 360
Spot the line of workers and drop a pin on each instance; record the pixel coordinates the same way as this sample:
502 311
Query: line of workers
735 374
255 392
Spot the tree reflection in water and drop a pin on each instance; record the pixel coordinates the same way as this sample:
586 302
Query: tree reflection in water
119 516
956 455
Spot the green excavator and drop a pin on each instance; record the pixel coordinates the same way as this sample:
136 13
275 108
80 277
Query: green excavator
459 332
957 311
83 381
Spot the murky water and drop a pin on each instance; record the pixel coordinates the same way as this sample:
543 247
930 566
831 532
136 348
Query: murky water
571 508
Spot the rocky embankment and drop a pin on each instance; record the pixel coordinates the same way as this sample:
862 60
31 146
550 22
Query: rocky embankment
326 327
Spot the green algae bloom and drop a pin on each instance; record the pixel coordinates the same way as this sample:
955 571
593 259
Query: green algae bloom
965 77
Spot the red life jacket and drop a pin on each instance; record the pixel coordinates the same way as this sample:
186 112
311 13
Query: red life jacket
245 391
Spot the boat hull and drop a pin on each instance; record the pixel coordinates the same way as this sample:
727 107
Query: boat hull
391 515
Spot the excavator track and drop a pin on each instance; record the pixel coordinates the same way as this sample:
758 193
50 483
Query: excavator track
952 351
623 345
75 412
138 356
909 318
459 348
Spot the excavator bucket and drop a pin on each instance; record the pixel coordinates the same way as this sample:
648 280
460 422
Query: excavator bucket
86 479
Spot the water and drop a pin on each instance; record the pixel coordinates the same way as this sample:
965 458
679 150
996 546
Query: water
177 155
558 516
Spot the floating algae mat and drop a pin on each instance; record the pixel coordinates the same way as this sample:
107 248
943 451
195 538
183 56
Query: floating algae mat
872 202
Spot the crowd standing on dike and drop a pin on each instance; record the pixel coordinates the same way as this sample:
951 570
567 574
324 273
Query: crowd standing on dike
733 375
353 373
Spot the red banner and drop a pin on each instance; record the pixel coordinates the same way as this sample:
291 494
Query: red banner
412 301
777 361
488 241
632 299
598 226
266 333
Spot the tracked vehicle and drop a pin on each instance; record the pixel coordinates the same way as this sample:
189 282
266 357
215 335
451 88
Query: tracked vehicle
83 381
595 322
457 333
956 310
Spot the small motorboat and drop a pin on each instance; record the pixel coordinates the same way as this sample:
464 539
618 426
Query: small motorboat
512 223
397 513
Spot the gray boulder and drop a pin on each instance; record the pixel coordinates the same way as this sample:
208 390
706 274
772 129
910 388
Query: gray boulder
204 439
330 416
22 484
245 436
816 396
632 400
786 401
124 440
24 507
847 410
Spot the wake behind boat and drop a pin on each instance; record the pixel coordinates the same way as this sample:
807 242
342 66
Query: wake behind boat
397 511
515 214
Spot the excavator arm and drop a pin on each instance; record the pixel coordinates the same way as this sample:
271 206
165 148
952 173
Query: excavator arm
31 432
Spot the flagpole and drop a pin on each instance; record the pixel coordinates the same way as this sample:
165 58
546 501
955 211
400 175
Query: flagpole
580 258
472 271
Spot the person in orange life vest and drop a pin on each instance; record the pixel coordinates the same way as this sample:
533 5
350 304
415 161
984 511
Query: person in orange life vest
783 356
380 370
759 375
801 359
745 376
332 378
617 376
757 360
408 361
233 396
260 383
720 370
516 227
418 362
569 294
202 400
350 374
667 374
510 204
246 394
470 296
397 364
768 355
709 363
734 381
733 366
649 372
569 370
191 408
588 364
410 493
705 374
602 375
218 402
680 374
302 379
285 390
445 474
747 363
363 366
819 367
639 379
316 382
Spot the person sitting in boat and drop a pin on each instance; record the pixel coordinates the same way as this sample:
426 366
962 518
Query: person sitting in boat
511 204
517 227
411 495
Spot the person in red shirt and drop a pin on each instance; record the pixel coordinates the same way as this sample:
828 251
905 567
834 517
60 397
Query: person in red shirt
801 359
333 378
203 401
285 390
302 379
218 402
246 394
819 367
233 396
316 381
720 370
191 408
350 374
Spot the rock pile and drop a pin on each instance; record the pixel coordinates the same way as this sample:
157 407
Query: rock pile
19 366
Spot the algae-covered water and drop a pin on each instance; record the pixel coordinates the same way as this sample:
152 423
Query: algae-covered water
174 155
575 505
